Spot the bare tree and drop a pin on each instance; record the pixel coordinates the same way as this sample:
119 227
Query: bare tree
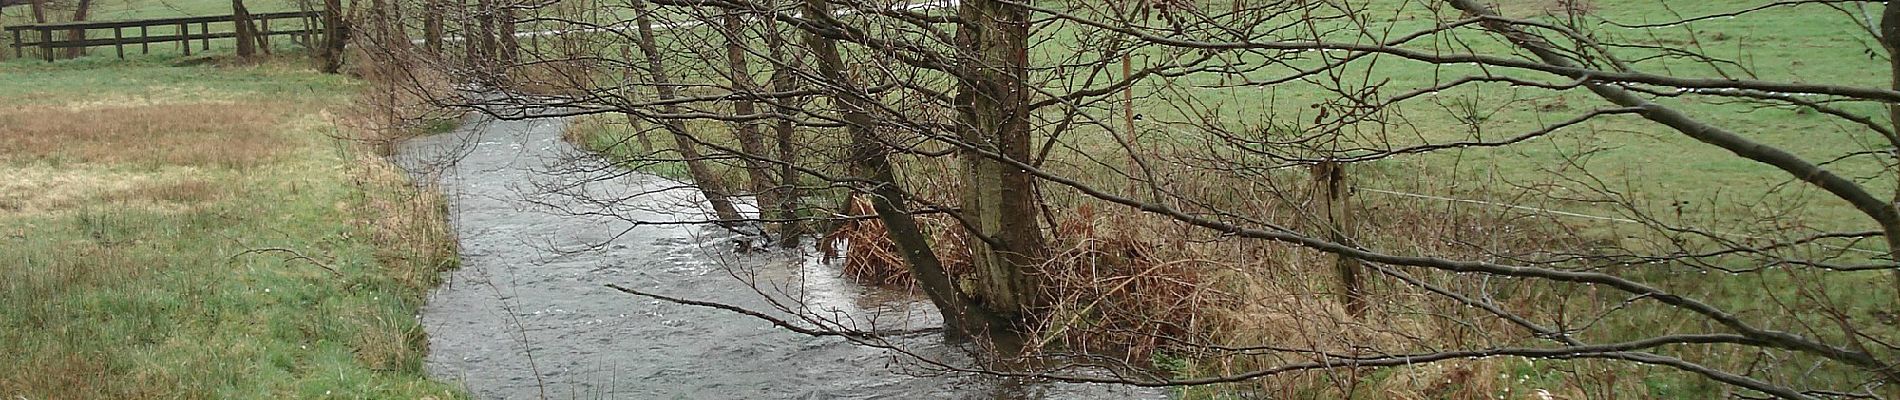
683 142
1463 212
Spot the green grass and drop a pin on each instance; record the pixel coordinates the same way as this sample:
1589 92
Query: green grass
127 267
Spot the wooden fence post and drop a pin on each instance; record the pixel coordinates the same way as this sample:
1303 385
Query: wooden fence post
118 41
184 37
204 32
263 38
18 51
145 47
46 44
1334 193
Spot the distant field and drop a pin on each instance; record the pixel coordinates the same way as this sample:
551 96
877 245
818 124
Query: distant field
1808 43
200 232
107 10
111 10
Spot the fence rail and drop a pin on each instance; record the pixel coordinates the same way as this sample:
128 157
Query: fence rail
68 35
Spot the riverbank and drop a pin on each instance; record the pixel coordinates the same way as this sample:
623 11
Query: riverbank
202 232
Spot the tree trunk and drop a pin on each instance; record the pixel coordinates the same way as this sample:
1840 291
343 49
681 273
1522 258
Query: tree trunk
784 80
1890 38
79 14
432 26
39 11
246 42
335 35
998 200
633 121
471 34
485 35
750 140
510 49
703 177
961 315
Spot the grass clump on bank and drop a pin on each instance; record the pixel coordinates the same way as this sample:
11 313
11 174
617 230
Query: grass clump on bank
202 232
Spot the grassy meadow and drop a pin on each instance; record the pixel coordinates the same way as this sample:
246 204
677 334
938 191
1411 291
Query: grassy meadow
205 232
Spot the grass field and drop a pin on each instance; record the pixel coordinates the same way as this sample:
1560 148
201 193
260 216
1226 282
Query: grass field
202 232
1795 44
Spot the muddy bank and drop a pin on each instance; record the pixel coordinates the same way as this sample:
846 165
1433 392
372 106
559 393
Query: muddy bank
527 316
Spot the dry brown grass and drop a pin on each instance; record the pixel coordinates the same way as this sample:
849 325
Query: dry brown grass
200 135
1146 288
402 103
1120 287
410 221
870 257
39 188
186 191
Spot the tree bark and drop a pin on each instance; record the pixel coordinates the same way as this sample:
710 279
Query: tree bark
484 38
1890 38
335 35
471 34
750 140
39 11
246 40
784 80
79 14
998 201
510 49
432 26
708 183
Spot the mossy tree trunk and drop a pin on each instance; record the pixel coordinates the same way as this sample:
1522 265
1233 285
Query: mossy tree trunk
998 199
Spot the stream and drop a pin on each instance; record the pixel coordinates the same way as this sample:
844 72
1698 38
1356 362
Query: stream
543 227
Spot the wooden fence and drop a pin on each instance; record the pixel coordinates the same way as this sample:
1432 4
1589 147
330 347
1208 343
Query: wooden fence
67 35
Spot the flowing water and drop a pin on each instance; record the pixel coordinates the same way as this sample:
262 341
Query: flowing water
543 227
